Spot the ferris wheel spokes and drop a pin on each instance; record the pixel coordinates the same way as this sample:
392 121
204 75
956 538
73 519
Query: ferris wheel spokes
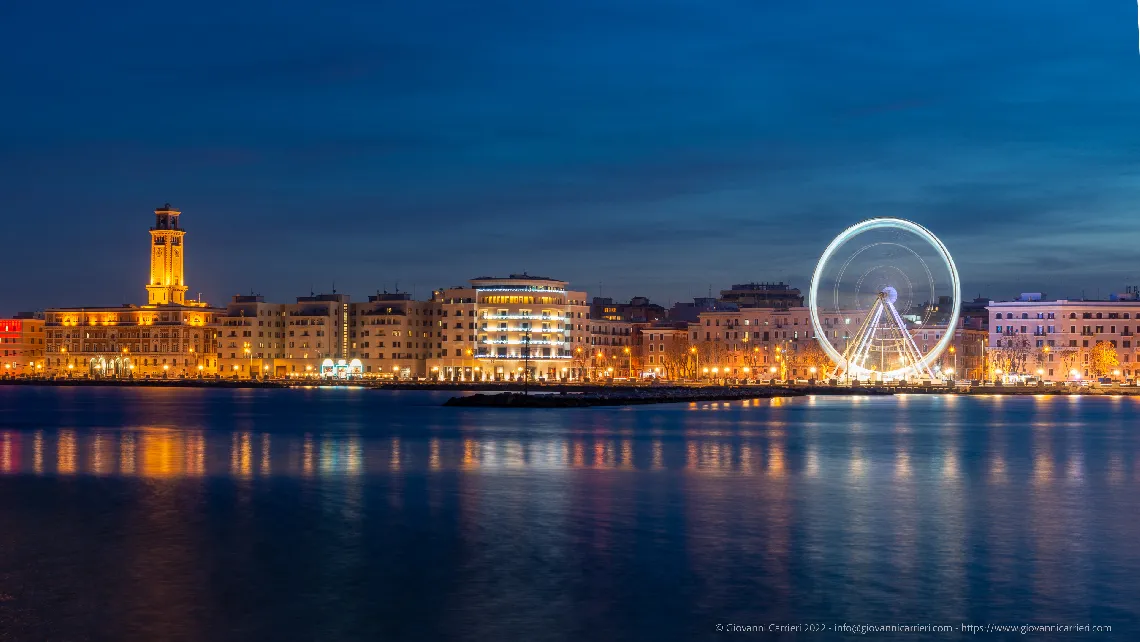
883 325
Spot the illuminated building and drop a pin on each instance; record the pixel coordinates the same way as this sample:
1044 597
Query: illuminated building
167 337
761 339
1054 339
251 338
22 345
315 328
496 327
663 349
612 349
391 335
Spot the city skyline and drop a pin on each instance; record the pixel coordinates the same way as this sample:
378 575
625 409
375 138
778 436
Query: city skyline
657 149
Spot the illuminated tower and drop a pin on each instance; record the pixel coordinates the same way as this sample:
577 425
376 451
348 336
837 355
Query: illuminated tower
167 284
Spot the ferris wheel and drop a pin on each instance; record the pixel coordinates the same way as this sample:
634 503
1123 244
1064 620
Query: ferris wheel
884 300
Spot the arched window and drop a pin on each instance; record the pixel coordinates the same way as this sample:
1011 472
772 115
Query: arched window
998 315
1098 315
1024 315
1072 315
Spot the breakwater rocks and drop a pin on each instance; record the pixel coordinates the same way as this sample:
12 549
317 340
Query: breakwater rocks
636 396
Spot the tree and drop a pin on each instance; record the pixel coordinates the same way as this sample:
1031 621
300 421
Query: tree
811 355
580 362
1011 353
1103 359
713 354
1068 359
678 361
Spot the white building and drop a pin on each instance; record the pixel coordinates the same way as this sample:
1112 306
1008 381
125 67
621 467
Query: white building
496 327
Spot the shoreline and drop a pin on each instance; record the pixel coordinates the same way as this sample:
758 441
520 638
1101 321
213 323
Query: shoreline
635 393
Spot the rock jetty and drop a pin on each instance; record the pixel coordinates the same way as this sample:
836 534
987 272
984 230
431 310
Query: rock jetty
636 396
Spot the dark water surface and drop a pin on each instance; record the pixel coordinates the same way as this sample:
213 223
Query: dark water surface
331 514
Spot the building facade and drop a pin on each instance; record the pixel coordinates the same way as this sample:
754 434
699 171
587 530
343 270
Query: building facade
524 326
167 337
22 345
1058 340
392 335
663 350
251 338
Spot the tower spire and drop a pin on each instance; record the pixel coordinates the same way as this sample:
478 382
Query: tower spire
167 281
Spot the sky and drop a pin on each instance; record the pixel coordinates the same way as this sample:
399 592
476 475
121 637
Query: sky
633 147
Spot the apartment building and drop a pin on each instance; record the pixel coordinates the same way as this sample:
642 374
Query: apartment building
1055 340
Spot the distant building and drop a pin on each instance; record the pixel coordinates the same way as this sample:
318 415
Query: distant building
763 295
974 314
638 310
688 312
167 337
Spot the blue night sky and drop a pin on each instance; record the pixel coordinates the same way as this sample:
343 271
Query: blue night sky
655 146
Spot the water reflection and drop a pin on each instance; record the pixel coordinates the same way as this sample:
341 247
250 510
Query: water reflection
168 453
856 510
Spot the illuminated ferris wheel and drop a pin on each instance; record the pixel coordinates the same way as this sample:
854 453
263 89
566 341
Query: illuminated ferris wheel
884 300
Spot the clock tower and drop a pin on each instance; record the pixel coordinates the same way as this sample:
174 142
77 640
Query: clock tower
167 283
